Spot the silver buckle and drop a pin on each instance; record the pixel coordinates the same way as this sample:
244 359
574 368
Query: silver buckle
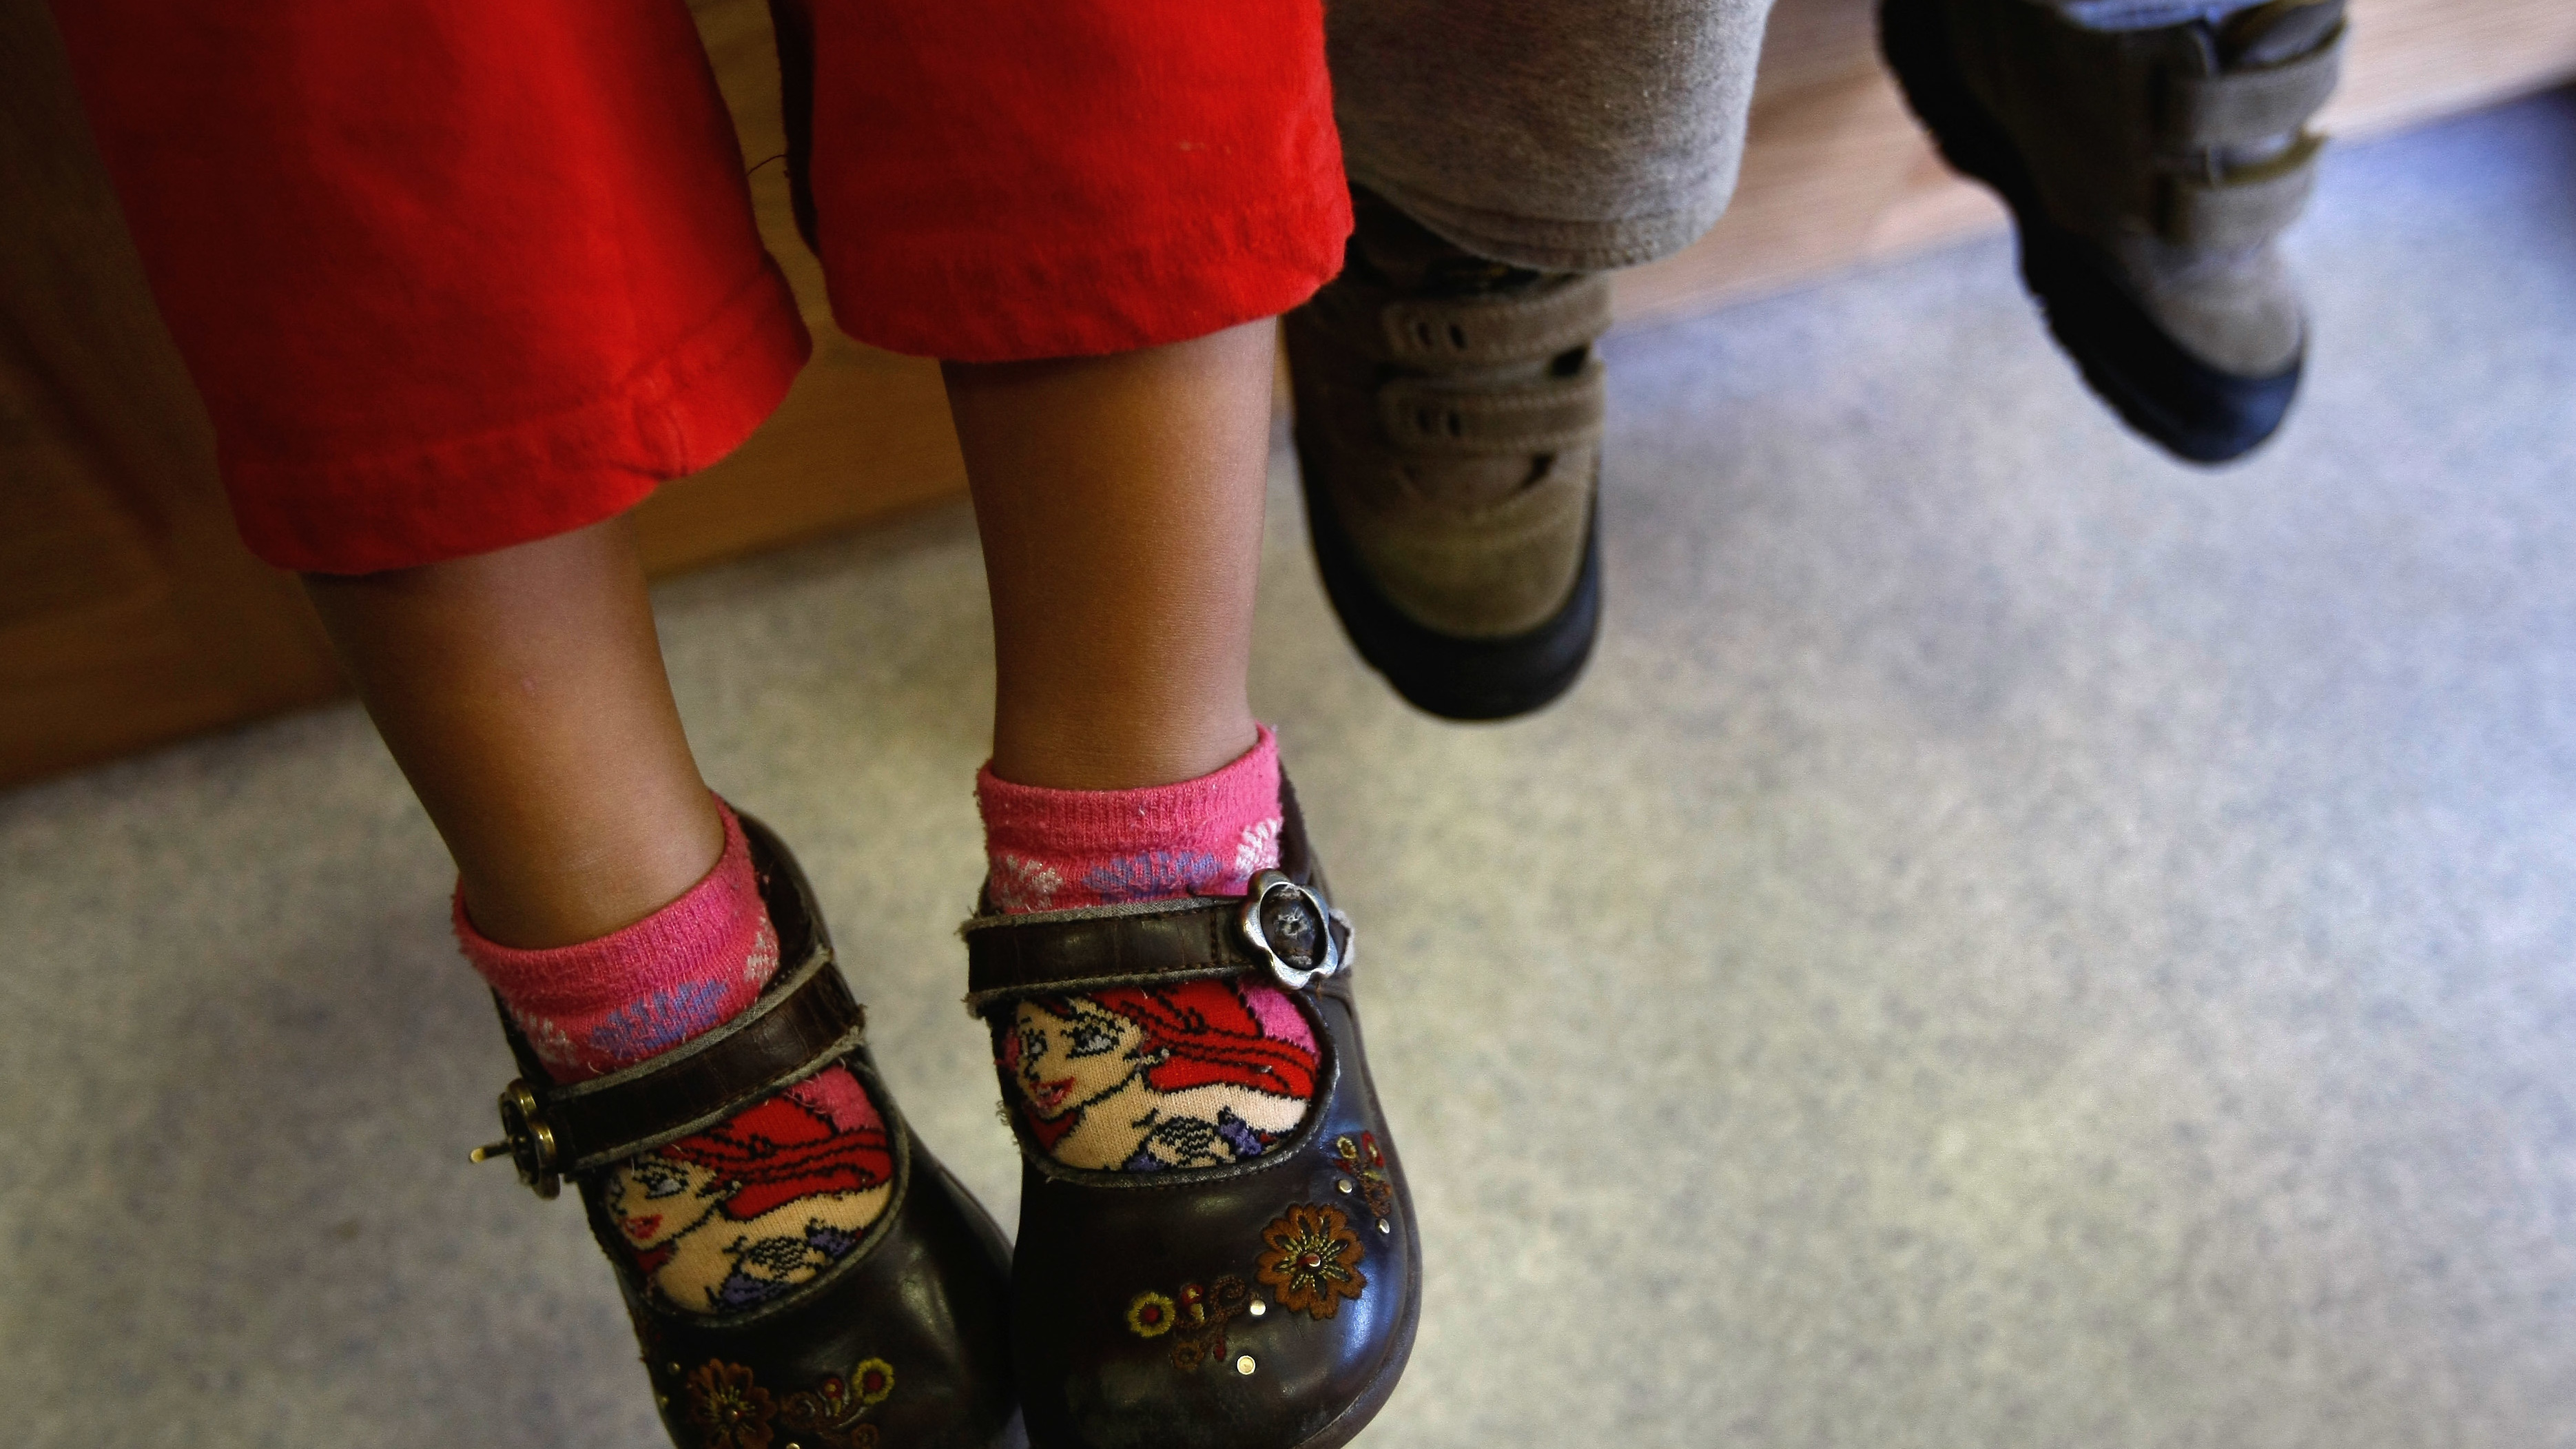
1290 928
526 1140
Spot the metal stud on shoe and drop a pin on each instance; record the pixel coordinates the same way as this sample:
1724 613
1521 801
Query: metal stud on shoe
1291 929
526 1140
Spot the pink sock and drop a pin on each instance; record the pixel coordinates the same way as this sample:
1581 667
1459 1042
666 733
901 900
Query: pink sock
780 1190
1144 1079
1054 849
591 1008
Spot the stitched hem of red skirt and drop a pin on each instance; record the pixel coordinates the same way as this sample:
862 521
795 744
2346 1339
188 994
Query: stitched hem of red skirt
529 480
960 303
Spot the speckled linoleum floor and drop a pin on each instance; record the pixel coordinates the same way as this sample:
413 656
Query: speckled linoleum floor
2016 942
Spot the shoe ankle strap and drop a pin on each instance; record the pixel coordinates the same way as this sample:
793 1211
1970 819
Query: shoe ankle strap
1283 928
1550 415
805 1020
2240 207
2245 107
1498 329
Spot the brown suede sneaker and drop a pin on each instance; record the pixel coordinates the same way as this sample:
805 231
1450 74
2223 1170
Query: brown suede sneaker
1449 415
2149 168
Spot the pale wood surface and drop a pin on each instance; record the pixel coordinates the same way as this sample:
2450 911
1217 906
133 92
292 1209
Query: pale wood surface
1837 174
129 612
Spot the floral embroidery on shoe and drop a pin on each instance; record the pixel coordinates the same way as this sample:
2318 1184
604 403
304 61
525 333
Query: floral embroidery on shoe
1150 1316
1196 1321
831 1414
1155 875
1200 1337
1364 1169
1313 1260
730 1410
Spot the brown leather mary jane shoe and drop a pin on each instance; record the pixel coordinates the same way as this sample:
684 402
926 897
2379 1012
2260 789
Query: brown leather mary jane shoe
1266 1304
901 1341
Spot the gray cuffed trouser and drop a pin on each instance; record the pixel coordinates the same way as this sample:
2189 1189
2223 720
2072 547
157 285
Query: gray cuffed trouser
1569 135
1572 135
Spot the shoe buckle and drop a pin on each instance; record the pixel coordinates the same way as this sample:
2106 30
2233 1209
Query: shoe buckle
1291 929
526 1140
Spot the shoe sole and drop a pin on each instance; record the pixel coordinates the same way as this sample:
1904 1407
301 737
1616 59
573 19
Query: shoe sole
2189 408
1457 678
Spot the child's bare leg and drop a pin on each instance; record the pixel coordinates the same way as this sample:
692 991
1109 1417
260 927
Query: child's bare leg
609 899
522 693
1120 503
1120 500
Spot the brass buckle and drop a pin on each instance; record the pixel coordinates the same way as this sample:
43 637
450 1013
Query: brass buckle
526 1140
1291 929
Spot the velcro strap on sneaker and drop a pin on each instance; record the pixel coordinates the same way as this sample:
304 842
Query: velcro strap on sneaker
2240 208
1441 333
1283 928
803 1023
2243 107
1551 415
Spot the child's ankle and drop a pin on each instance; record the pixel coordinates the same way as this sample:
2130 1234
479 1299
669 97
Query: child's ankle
600 1005
1054 849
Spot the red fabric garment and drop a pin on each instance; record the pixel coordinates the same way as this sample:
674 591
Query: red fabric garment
457 274
1074 177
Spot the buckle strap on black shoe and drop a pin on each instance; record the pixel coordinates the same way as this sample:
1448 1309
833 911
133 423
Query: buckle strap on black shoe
1283 927
804 1021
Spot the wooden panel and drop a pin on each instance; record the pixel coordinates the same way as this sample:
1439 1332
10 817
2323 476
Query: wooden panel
129 612
2414 60
1836 173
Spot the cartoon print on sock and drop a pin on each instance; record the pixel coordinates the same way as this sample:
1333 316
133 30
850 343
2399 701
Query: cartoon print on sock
759 1203
1139 1079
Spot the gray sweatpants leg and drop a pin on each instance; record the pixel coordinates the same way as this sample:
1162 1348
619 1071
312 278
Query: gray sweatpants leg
1568 135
